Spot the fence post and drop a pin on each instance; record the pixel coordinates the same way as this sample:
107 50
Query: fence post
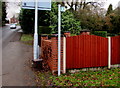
64 54
109 52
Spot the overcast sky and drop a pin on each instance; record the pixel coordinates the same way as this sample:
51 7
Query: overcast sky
113 2
13 9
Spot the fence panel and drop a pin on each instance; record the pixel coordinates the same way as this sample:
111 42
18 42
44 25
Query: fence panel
86 51
115 54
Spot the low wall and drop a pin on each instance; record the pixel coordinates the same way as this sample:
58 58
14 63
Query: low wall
49 52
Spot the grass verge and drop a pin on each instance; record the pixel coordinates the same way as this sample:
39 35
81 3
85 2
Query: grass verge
27 39
83 78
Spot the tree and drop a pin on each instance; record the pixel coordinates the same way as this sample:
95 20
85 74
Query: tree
117 10
27 18
116 24
69 23
108 26
110 9
115 20
53 17
4 13
0 13
49 18
80 4
90 17
112 20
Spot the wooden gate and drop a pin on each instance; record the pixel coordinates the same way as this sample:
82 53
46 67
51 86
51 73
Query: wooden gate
84 51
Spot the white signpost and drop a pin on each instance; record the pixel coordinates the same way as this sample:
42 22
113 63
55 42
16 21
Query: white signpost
60 9
44 5
59 39
37 5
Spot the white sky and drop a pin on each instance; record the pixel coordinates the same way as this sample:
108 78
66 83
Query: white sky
13 9
113 2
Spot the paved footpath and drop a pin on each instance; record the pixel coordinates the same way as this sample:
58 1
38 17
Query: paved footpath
16 69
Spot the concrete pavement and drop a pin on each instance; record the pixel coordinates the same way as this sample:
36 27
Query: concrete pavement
0 56
16 58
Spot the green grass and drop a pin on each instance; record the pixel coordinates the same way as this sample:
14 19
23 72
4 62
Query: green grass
42 78
26 37
88 78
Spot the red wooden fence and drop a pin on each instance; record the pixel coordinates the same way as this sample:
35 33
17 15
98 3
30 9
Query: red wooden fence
86 51
115 47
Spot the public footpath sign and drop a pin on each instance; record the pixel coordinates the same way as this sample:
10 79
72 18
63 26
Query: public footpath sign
37 5
42 4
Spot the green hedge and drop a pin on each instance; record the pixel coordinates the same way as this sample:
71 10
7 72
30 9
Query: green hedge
111 34
44 30
100 33
118 33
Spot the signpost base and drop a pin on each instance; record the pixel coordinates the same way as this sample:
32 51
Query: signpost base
37 63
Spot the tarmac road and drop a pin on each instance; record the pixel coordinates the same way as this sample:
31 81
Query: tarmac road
8 34
16 57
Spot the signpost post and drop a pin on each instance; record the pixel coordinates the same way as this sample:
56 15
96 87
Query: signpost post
37 5
36 33
60 9
59 38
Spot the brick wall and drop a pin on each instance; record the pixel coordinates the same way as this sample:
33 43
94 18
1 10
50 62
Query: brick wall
49 52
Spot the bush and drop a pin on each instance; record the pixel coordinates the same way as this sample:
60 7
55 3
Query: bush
111 34
49 18
27 20
100 33
44 30
118 33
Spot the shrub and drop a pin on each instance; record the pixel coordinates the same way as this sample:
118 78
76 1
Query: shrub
44 30
100 33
